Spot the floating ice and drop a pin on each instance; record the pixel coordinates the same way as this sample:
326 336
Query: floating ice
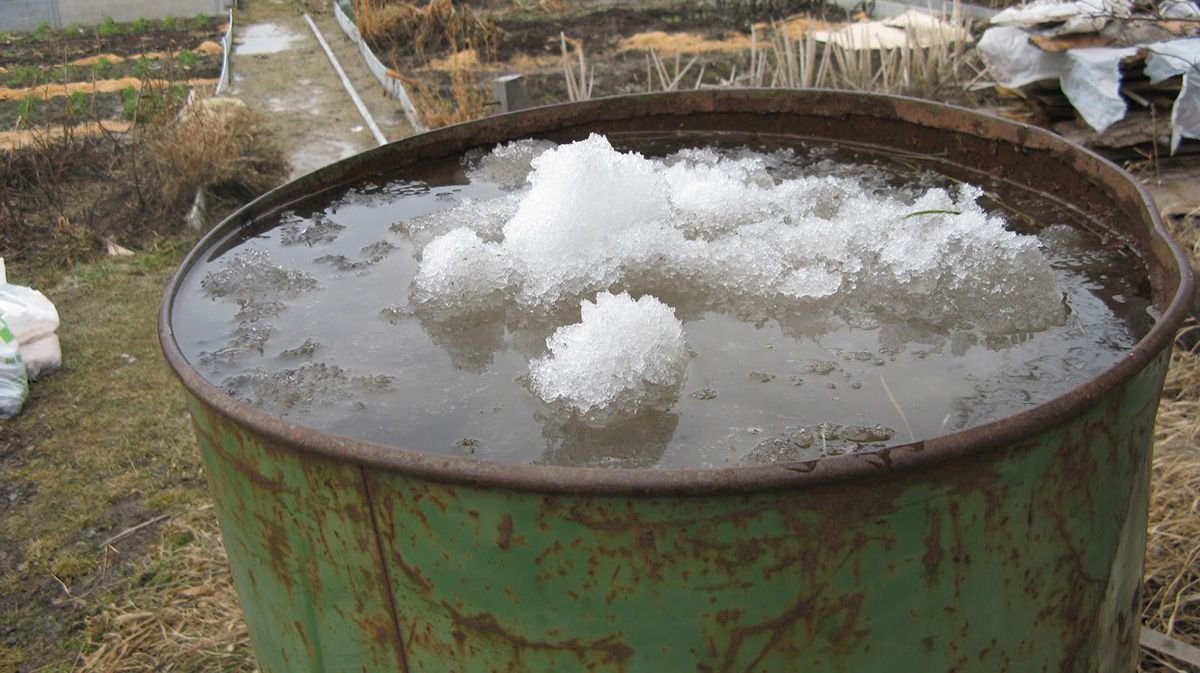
622 356
486 218
729 227
589 212
724 227
831 438
508 165
320 229
300 388
461 273
251 277
373 254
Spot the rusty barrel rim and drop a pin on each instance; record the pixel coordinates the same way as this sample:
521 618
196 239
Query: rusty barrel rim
1167 267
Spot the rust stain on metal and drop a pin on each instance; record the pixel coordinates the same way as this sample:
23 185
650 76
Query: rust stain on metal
609 649
504 532
932 560
280 551
384 634
252 474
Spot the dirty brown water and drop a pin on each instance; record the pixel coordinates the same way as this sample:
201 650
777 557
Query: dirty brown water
352 357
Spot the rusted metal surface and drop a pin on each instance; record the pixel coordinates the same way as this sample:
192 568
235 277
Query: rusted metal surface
1016 545
1023 558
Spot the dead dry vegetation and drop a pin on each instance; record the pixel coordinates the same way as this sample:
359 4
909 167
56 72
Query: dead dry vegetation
65 195
102 456
1171 591
447 53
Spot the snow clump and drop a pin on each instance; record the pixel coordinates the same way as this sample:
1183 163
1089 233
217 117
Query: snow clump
623 355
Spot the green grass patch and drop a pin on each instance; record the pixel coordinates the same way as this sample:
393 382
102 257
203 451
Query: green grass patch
102 445
187 58
23 77
141 67
28 109
108 27
78 104
102 68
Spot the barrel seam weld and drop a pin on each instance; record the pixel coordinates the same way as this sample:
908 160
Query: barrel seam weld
383 567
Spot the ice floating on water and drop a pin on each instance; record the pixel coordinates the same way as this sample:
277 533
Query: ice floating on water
251 276
462 272
591 215
622 356
594 219
508 165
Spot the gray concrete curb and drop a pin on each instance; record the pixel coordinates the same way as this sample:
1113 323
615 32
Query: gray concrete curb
226 48
392 85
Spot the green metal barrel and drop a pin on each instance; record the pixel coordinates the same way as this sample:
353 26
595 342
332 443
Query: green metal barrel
1013 546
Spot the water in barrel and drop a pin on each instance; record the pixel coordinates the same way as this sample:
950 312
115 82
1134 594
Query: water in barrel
661 301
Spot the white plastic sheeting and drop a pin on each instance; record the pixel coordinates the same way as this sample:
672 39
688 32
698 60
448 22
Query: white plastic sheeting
1082 16
1091 80
912 28
1091 77
1179 57
1015 61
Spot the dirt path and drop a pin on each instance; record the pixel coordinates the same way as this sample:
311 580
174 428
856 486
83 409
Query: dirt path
280 70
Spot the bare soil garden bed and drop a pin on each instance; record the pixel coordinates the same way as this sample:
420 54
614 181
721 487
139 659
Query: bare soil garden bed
78 79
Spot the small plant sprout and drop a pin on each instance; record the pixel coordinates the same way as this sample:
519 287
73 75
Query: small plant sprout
186 58
77 105
102 68
108 27
28 108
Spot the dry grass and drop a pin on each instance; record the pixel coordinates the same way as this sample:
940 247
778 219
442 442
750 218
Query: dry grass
22 138
798 53
58 90
942 70
186 618
440 26
399 30
218 144
1171 590
67 193
579 84
460 99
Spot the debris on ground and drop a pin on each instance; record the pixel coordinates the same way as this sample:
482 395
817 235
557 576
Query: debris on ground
1111 74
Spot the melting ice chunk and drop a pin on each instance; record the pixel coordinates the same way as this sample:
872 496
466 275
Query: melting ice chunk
461 273
578 223
509 164
723 230
252 277
623 355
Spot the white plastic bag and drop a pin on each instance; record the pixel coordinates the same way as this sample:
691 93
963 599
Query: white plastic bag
33 320
42 356
14 387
